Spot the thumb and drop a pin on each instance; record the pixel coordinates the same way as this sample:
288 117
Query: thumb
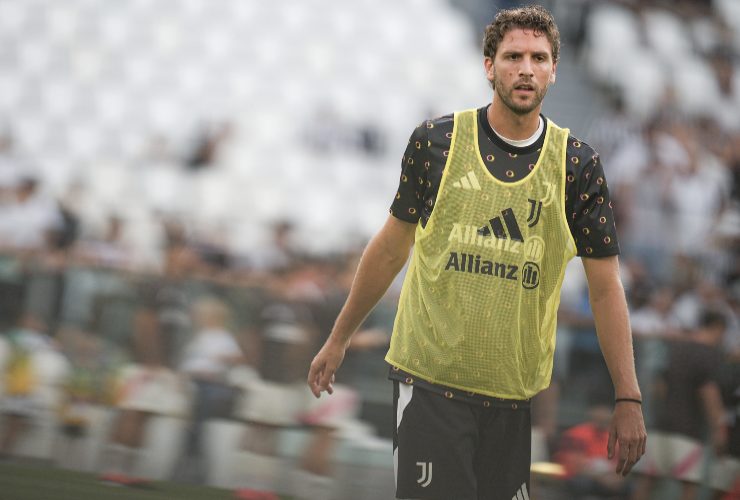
611 443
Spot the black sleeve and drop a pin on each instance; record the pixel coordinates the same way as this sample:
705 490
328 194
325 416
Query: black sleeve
409 202
587 203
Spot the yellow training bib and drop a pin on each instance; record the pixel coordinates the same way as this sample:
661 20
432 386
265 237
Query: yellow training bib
479 303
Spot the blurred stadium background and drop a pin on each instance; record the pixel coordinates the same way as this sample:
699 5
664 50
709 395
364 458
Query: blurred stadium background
185 187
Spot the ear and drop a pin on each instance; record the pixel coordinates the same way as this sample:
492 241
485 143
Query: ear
488 65
553 75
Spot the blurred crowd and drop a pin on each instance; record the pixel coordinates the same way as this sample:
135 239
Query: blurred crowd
212 336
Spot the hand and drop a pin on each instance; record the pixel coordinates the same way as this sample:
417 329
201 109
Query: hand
323 368
628 430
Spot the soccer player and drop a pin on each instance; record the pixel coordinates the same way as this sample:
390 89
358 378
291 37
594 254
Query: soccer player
495 202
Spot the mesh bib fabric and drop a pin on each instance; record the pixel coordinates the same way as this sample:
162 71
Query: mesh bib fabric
479 303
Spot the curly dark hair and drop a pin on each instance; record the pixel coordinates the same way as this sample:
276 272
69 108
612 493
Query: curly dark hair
534 17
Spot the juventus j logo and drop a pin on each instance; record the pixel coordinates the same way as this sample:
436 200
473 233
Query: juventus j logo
426 474
535 209
498 228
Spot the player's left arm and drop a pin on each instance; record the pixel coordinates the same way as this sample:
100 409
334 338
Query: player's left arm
609 307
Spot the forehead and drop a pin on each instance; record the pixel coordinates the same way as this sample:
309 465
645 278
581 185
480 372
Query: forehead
525 40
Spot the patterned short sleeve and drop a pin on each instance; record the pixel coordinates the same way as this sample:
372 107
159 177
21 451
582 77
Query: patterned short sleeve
588 206
409 202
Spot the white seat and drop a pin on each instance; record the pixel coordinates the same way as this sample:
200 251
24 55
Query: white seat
141 68
696 86
642 94
612 36
667 33
705 34
62 22
13 16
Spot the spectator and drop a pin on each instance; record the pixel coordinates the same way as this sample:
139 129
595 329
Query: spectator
32 373
656 318
285 331
687 402
88 387
207 145
110 251
148 387
289 333
28 221
698 191
724 476
652 324
207 360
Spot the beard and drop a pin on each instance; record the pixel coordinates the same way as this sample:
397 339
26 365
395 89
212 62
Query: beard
506 96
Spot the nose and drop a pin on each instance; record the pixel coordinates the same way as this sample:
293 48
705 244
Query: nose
526 67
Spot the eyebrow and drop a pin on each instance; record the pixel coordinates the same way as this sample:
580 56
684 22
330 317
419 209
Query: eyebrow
520 52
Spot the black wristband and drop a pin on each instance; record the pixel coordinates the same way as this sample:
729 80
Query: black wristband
628 400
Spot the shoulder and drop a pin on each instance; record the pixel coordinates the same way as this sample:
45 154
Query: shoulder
444 122
432 132
581 150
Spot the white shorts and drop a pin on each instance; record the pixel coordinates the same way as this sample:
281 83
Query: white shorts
724 473
157 391
672 455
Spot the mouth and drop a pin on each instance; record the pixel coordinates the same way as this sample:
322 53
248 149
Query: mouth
524 87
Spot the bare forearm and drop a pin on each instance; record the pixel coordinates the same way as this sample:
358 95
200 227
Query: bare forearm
615 338
627 437
379 265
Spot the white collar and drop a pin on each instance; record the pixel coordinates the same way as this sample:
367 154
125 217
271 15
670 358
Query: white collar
524 142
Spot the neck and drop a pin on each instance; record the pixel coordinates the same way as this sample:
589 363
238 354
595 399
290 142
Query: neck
512 125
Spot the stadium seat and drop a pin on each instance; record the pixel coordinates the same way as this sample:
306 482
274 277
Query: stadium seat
612 37
696 87
667 34
729 10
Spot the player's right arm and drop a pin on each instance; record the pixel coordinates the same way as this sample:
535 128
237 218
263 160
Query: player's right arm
382 260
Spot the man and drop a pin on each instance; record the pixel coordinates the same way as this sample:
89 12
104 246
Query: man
495 202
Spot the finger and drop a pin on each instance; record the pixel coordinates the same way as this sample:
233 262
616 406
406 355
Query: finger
635 453
313 380
316 379
610 444
631 461
623 460
325 380
627 469
314 386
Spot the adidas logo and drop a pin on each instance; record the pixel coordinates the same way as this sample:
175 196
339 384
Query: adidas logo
522 494
498 228
468 181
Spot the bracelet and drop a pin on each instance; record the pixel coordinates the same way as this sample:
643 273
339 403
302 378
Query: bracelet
628 400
